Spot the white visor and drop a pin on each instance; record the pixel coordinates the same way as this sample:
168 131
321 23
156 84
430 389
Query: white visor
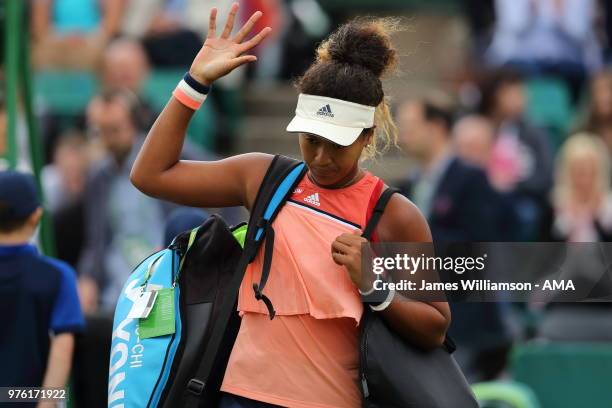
333 119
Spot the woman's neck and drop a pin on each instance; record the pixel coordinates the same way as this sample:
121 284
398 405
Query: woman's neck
352 178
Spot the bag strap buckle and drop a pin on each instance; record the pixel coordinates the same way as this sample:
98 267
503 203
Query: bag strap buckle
196 386
262 223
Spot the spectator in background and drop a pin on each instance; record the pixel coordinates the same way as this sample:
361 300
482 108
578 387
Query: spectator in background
449 192
38 295
125 65
172 31
123 226
598 119
551 37
305 24
480 16
473 138
460 206
71 34
64 184
64 179
521 160
582 200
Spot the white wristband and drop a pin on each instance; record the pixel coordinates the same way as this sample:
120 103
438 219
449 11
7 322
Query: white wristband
192 93
369 291
384 304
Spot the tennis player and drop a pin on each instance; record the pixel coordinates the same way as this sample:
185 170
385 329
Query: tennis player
307 356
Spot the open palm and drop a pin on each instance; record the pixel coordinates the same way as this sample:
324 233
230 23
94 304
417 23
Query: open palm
221 55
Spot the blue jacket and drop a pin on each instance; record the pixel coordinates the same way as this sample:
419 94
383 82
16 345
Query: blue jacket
464 207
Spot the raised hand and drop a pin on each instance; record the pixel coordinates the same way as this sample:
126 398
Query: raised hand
221 55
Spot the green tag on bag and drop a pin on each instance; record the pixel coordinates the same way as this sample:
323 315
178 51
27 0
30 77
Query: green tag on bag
160 321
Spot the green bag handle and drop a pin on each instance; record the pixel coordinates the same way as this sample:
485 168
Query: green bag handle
192 237
150 271
239 233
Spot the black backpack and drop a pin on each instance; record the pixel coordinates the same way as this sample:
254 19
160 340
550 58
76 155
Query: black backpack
210 277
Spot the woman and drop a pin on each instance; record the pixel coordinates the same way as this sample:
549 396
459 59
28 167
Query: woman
548 38
307 356
598 118
581 197
582 202
72 34
521 159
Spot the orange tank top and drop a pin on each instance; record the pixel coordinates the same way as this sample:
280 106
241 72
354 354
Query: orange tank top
307 356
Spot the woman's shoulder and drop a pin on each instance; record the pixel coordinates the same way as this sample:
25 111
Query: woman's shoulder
252 168
402 221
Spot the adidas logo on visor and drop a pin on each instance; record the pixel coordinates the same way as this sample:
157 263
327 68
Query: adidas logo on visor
313 199
325 111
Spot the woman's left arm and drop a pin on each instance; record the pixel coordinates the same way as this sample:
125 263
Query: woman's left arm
422 323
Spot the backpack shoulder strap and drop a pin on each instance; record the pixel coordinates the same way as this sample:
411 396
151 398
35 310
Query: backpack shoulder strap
281 178
278 183
379 209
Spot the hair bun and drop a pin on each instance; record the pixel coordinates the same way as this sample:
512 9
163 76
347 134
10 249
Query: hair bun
364 42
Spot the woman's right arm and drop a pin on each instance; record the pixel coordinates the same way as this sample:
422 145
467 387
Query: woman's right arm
158 172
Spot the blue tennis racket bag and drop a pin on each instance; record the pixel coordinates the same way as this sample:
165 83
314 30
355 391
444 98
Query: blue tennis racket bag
176 321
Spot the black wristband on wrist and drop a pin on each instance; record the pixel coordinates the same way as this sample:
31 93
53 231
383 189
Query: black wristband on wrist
197 86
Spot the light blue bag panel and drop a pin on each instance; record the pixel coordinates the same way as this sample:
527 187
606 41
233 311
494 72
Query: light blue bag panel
139 368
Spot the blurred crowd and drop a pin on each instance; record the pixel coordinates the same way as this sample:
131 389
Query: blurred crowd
489 175
484 170
492 168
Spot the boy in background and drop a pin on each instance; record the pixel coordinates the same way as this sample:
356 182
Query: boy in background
39 305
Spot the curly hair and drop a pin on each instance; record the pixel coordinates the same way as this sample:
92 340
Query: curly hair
350 65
